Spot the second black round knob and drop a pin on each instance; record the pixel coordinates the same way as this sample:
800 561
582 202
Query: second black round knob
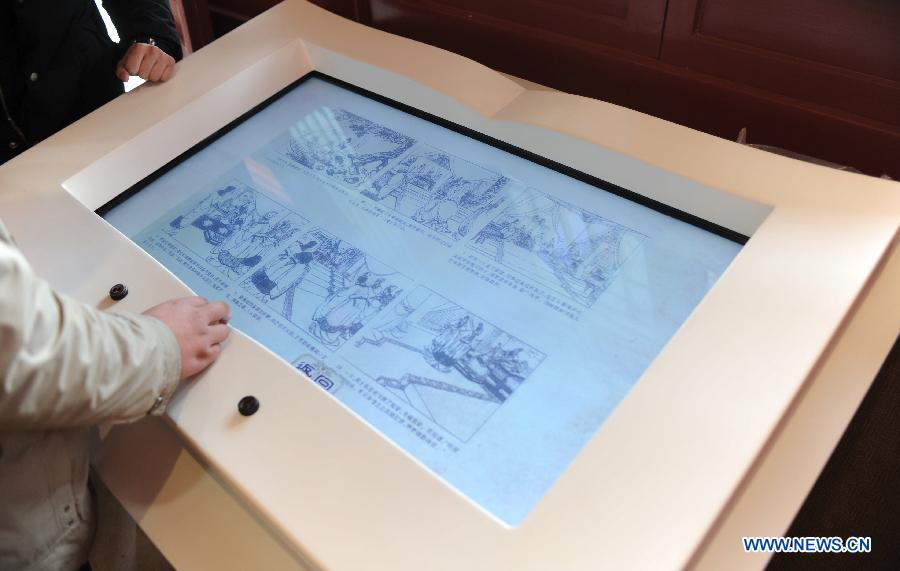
248 405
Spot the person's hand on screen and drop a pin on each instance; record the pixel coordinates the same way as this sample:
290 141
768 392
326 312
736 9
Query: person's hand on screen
199 326
146 61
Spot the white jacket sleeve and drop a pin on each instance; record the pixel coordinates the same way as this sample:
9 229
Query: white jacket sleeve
65 364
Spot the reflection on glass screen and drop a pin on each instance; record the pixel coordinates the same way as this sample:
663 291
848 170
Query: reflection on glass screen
483 312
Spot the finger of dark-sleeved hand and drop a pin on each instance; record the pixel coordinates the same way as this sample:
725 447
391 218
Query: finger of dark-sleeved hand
149 60
158 70
217 311
133 59
121 72
168 73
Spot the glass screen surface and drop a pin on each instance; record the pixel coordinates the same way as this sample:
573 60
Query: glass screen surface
483 312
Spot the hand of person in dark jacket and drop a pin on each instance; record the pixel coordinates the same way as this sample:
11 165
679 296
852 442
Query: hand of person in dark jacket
147 61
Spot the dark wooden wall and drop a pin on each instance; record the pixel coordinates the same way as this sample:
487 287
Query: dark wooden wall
818 77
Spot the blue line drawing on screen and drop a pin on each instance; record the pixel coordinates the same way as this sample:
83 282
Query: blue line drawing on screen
558 245
464 368
234 228
441 191
325 286
344 146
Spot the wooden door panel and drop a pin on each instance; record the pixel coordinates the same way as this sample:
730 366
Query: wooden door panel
632 25
235 12
352 9
576 17
530 8
857 35
843 54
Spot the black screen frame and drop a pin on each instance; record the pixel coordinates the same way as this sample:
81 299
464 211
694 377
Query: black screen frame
599 183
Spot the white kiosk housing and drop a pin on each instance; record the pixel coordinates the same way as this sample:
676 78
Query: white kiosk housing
488 327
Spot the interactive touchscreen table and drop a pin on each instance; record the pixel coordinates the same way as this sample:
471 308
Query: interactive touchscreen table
484 311
488 325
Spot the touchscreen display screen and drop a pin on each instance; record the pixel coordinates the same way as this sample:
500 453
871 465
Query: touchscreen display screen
482 308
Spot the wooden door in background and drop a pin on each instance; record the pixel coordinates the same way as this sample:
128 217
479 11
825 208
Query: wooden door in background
836 60
630 25
226 15
844 54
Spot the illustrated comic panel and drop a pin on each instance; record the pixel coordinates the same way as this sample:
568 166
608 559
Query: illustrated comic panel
344 146
234 228
325 286
561 246
446 362
439 190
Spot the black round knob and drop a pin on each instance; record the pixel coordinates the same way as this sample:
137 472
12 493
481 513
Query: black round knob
248 405
118 292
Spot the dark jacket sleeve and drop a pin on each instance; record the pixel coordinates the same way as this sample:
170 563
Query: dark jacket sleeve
140 19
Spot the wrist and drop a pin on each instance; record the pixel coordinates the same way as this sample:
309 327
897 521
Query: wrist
171 49
149 40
